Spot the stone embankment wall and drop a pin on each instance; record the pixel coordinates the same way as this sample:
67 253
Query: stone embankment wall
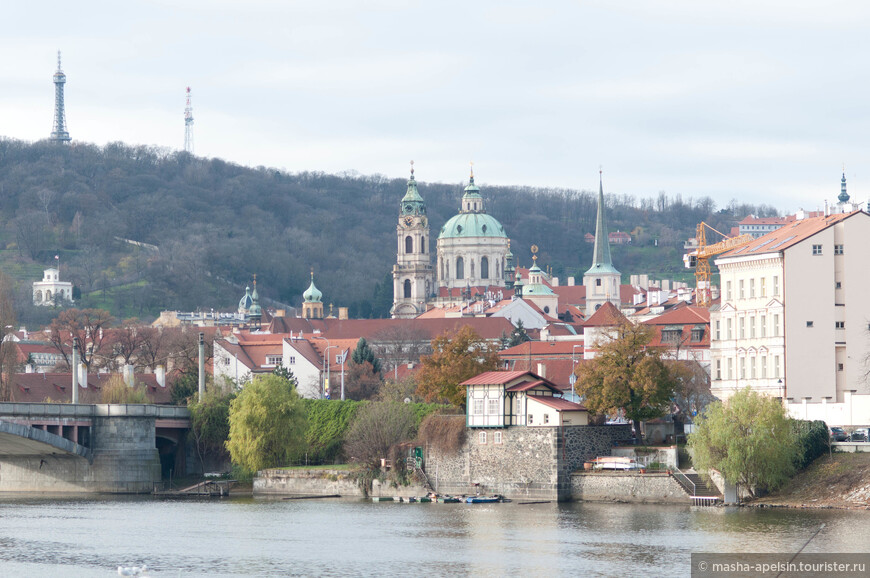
530 462
666 456
627 487
301 482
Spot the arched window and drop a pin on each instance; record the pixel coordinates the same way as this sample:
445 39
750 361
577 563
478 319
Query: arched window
472 268
423 244
39 296
409 244
47 295
407 288
484 268
460 268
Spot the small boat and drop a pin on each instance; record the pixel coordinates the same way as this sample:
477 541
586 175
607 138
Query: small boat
482 499
425 500
382 499
448 500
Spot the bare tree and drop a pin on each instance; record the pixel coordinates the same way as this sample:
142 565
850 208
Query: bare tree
87 326
400 344
8 351
127 341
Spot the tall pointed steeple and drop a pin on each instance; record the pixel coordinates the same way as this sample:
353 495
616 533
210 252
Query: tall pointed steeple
601 261
602 279
413 275
844 196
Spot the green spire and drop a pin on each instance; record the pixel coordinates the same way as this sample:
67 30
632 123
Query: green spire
255 310
312 294
412 202
844 196
601 262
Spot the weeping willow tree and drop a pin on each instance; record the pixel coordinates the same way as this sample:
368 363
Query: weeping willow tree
748 439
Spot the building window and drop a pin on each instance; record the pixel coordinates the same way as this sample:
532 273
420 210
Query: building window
728 328
718 369
775 285
776 325
460 268
671 335
492 407
481 438
496 438
226 360
838 285
478 407
838 249
741 323
839 324
409 245
742 366
598 282
291 361
751 288
697 334
763 367
730 368
740 285
817 249
809 323
728 290
273 360
529 420
423 244
764 325
718 330
763 286
752 367
775 366
752 328
839 367
546 418
407 289
484 268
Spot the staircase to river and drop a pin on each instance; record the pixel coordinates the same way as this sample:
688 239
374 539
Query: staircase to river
697 488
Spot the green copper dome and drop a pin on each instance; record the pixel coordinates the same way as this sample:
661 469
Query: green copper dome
472 225
246 301
412 202
312 294
255 310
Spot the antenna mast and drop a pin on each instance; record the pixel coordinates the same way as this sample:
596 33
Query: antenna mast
188 125
59 133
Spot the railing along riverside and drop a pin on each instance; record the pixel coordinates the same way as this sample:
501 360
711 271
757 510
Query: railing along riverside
684 481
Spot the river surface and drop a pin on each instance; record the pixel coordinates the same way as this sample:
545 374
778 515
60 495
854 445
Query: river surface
92 536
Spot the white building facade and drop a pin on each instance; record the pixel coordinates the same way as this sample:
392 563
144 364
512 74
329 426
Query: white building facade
51 289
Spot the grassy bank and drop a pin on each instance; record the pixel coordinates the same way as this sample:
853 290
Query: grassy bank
838 481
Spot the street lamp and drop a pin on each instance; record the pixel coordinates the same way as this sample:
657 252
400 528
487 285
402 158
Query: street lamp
573 379
325 362
343 359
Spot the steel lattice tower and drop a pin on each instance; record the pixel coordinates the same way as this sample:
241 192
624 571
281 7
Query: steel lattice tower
59 134
188 125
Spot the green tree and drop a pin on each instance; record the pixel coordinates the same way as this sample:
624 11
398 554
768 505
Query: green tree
363 353
210 424
749 439
267 424
184 387
455 358
518 335
285 373
361 382
626 374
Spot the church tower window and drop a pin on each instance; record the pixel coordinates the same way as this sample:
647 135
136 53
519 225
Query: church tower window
407 288
409 245
484 268
423 245
460 268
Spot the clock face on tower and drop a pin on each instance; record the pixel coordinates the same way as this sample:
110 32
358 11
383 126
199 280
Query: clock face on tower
408 220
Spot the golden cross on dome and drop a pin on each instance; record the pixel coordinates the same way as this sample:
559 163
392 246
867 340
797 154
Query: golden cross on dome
255 279
471 164
412 169
535 254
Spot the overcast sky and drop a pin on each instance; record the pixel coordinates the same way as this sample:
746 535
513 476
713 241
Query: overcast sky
761 100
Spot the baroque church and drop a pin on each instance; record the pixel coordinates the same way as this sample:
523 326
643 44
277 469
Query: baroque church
473 260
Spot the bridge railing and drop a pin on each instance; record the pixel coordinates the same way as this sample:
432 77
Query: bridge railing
83 410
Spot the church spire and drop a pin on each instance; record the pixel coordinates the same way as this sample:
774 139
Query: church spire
844 196
601 261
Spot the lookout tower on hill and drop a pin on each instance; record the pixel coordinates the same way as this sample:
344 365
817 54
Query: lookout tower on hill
59 133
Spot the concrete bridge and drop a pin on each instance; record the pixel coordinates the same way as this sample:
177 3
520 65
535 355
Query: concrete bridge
115 448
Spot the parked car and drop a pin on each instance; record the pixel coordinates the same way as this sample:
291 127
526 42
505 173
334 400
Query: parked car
838 434
858 435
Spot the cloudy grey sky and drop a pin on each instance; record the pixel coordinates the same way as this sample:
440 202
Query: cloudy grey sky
761 100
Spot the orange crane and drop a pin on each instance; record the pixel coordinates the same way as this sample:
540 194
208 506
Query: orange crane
700 259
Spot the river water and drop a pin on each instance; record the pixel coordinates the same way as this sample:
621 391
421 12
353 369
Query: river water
92 536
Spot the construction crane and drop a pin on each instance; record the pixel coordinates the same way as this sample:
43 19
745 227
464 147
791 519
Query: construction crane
700 259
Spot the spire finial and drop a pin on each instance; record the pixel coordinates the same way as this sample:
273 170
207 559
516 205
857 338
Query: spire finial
255 280
471 164
412 169
312 274
534 254
58 60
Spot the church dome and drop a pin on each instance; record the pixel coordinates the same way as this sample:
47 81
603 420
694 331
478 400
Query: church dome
472 225
312 294
246 301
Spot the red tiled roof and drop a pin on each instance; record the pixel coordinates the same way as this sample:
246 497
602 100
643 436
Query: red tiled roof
38 387
789 235
557 403
527 385
542 348
496 377
606 316
428 329
682 315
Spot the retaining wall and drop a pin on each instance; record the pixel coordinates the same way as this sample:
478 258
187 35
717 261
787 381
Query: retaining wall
627 487
314 482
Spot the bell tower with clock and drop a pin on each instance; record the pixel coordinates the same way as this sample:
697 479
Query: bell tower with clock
413 274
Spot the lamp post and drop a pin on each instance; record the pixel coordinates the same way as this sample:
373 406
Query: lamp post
573 375
325 363
343 359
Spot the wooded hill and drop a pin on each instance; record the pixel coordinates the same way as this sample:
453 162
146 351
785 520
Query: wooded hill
213 224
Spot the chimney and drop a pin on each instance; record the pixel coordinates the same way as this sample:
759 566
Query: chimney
83 375
28 368
342 313
571 281
542 370
280 313
554 281
160 375
128 375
